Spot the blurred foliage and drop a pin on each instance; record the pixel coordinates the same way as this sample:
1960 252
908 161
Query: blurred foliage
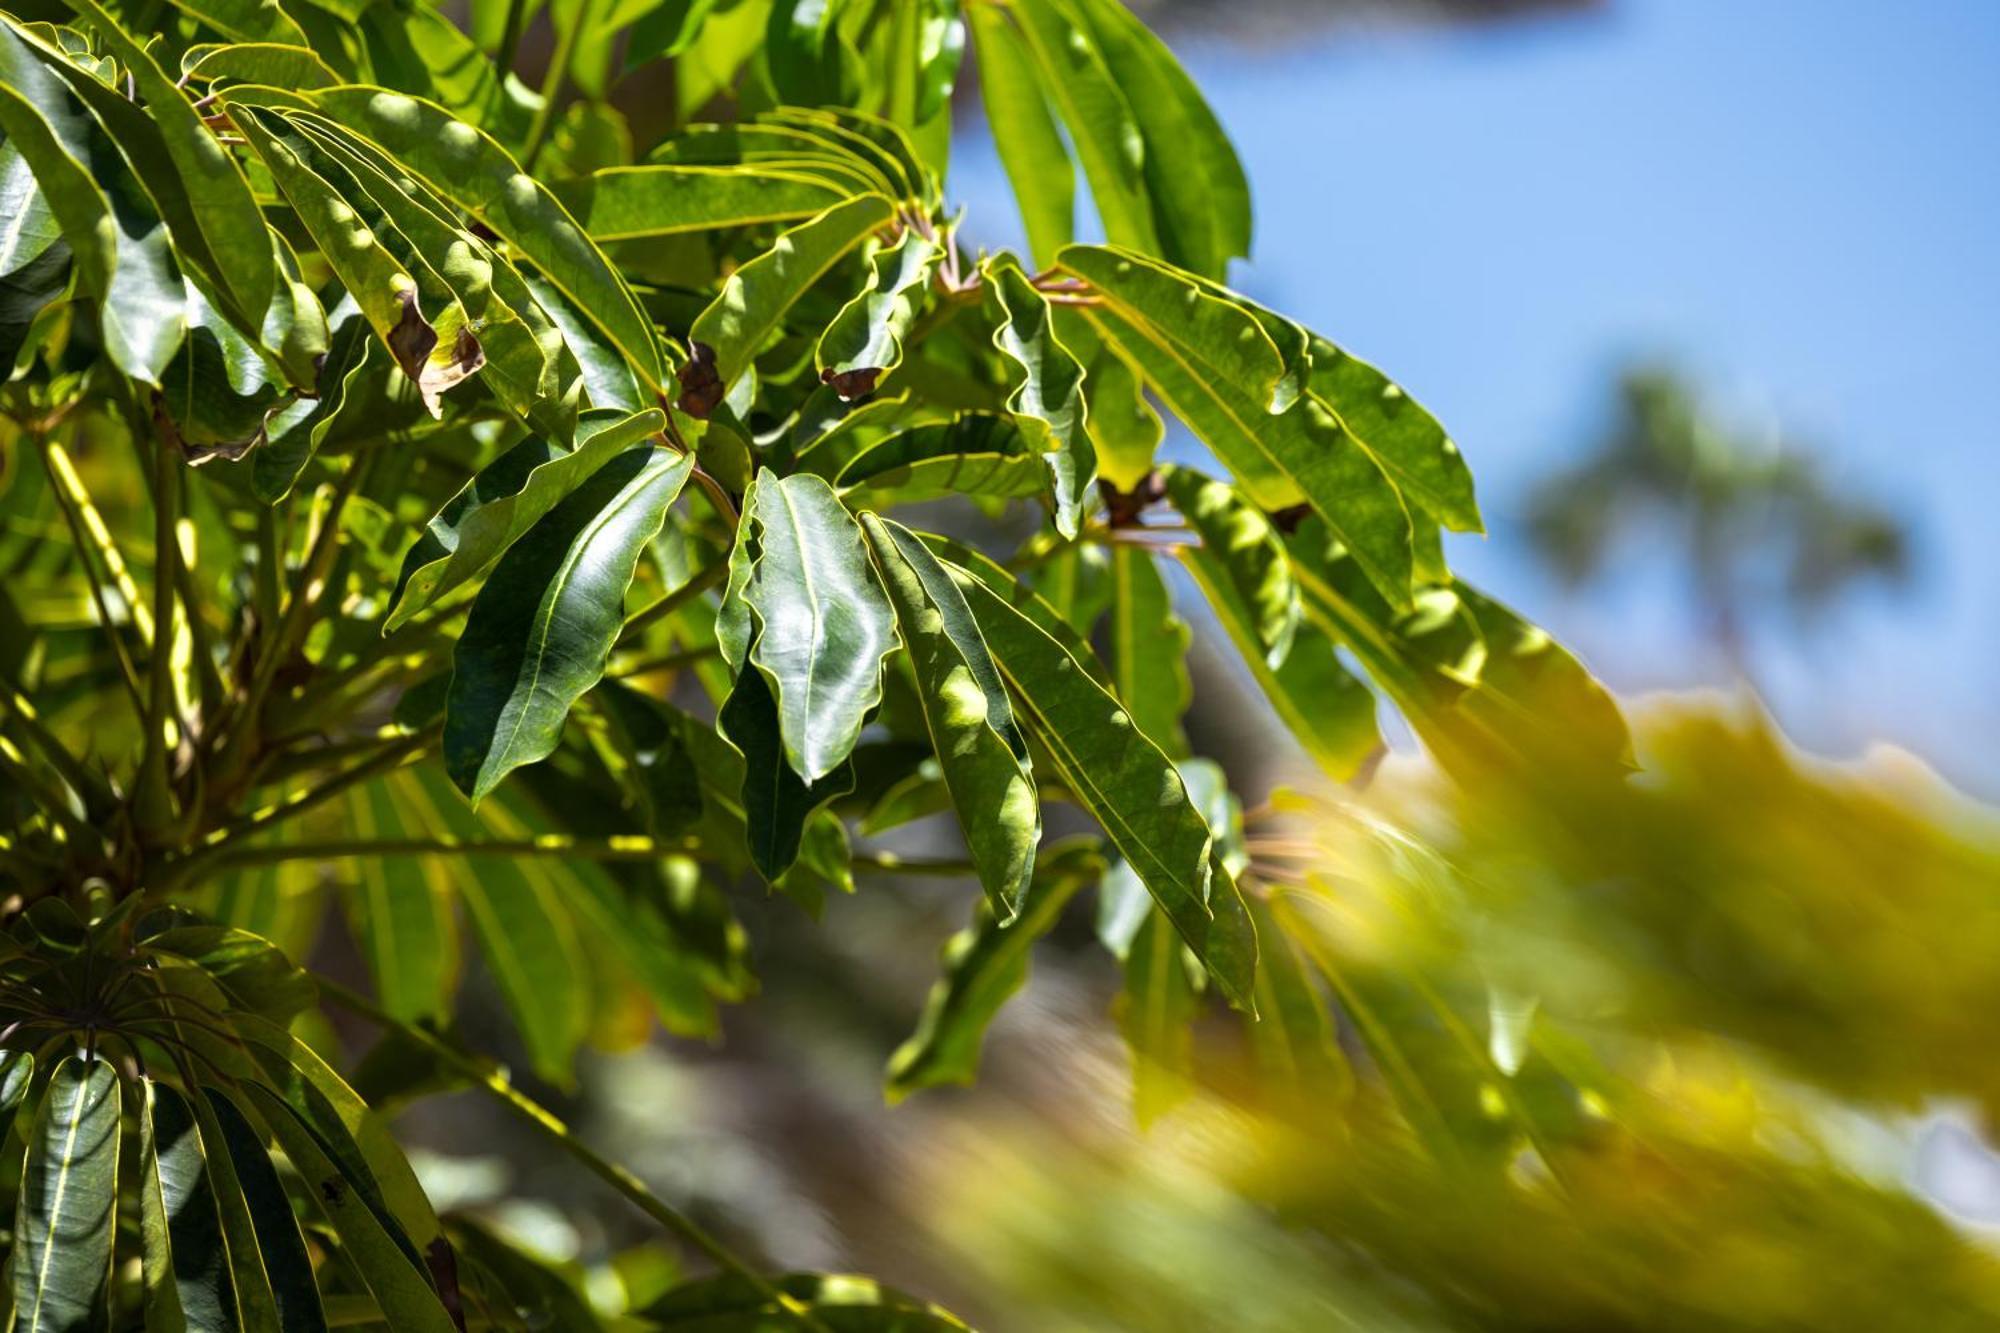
1629 1055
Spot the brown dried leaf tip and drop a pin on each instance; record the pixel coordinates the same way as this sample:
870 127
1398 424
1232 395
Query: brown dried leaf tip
701 386
852 384
413 341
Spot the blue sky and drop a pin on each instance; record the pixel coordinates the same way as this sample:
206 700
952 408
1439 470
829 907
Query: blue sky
1795 199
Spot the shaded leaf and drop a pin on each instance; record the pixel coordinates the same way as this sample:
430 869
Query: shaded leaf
504 500
546 618
59 1266
983 966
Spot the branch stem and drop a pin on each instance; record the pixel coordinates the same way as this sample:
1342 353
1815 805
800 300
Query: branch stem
559 1135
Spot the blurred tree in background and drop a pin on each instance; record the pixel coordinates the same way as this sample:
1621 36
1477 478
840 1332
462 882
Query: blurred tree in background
1752 522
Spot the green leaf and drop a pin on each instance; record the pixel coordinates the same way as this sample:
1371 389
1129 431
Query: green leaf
404 1296
186 1268
609 379
465 165
1294 1039
401 913
982 752
757 296
983 966
1124 428
525 932
1408 442
122 252
729 1304
1048 390
504 500
622 203
17 1076
524 361
246 20
804 607
294 433
1031 147
810 151
666 29
274 64
353 1133
1241 554
1149 649
59 1266
1100 121
1155 1011
218 389
975 454
219 197
1046 616
1215 366
436 353
546 618
777 804
1200 198
1126 783
267 1254
865 341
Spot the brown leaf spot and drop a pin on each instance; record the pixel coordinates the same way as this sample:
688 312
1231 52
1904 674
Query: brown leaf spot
1287 520
701 385
443 1263
852 384
413 339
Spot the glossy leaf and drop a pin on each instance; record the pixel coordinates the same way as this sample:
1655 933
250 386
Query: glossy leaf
1127 784
507 498
522 348
981 751
1408 441
1024 131
400 1290
268 1256
1201 199
294 433
60 1266
435 351
976 454
1048 390
805 609
865 341
1239 552
217 194
777 804
628 202
1216 368
757 296
186 1267
547 616
1099 119
277 64
466 166
122 252
246 20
